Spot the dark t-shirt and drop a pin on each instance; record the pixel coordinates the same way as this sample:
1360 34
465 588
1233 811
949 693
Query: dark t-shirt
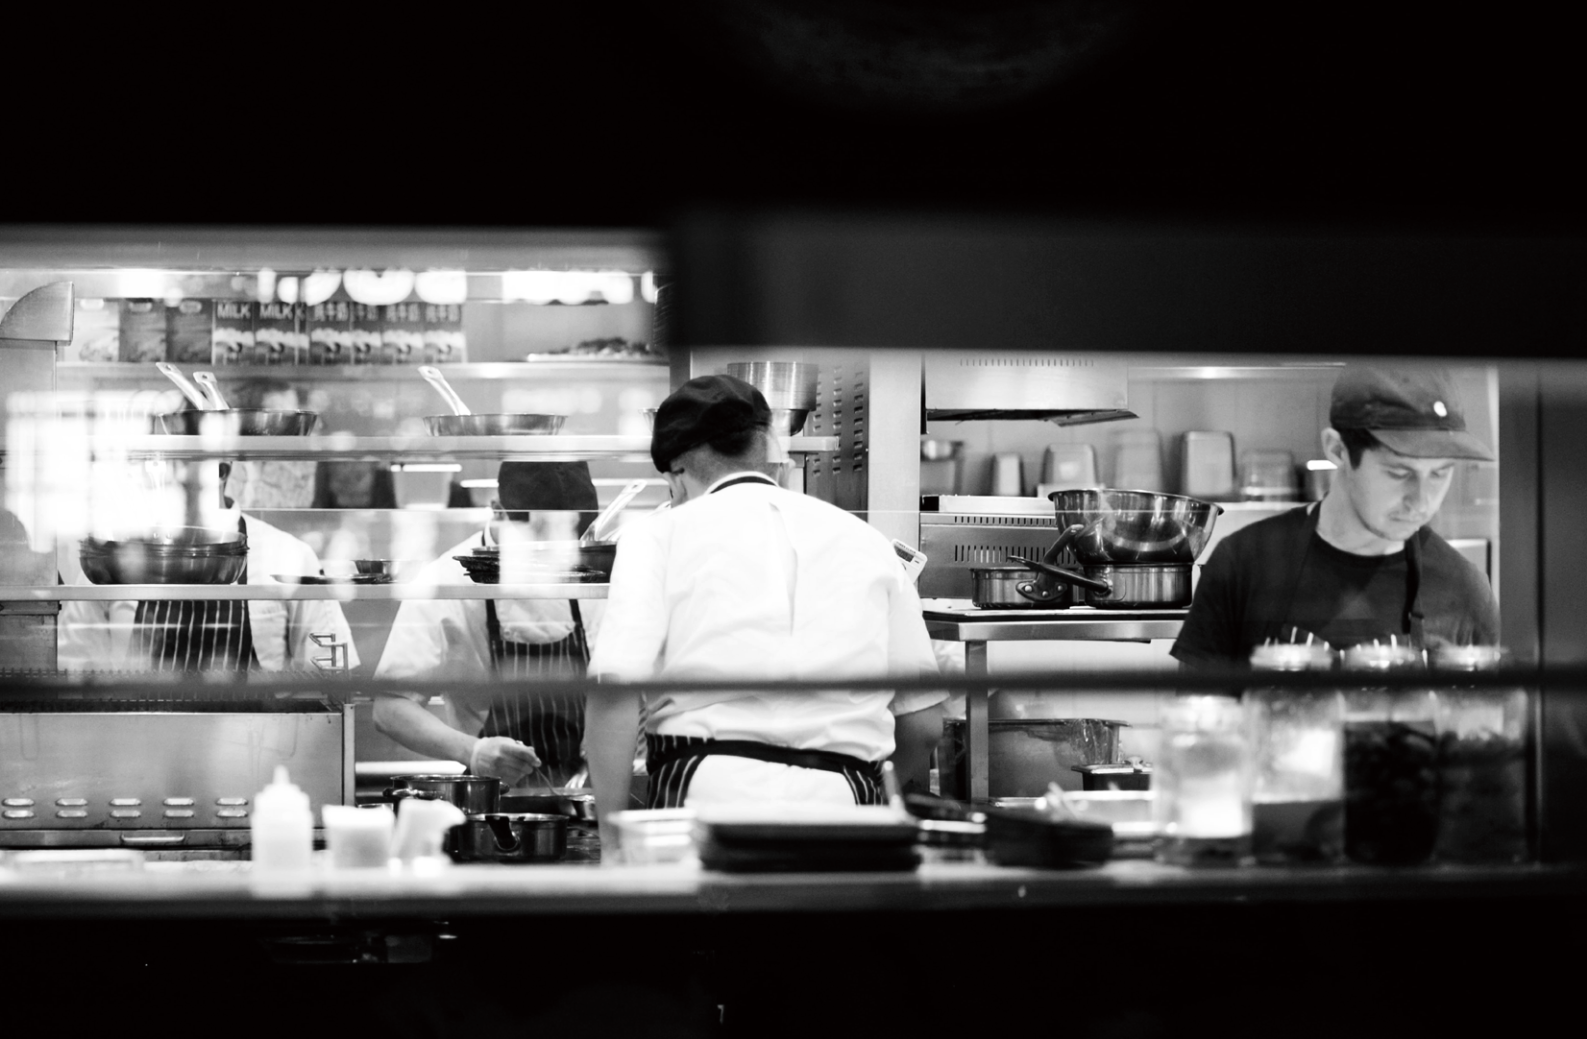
1245 594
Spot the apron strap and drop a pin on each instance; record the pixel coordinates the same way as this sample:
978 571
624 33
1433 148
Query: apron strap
673 760
1411 619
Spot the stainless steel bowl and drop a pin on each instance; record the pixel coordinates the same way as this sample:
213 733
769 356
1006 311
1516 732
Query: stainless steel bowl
494 425
1124 526
784 384
152 562
237 422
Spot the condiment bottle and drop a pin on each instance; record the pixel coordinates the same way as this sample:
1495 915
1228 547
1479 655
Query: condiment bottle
1481 761
1391 773
282 827
1203 783
1297 740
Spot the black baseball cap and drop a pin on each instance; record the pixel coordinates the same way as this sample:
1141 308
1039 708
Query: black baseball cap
1414 411
701 410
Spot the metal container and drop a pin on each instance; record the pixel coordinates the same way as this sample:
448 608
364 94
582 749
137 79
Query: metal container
511 837
784 421
162 562
237 422
935 450
475 795
784 384
501 425
1122 526
580 806
1013 587
1146 587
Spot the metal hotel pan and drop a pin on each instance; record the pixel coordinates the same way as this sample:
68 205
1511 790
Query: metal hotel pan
494 425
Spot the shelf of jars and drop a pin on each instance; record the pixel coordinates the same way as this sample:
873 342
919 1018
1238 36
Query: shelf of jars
340 447
341 591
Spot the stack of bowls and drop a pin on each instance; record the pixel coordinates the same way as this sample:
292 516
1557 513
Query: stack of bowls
790 389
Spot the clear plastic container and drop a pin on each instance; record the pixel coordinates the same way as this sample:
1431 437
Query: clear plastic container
1297 747
1391 762
1481 763
1203 783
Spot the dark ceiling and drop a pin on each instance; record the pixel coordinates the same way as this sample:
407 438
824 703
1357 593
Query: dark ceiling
606 115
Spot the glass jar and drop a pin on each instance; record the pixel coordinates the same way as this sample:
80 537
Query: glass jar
1481 762
1203 782
1297 795
1391 762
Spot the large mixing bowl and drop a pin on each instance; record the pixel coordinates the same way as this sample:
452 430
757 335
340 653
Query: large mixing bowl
784 384
162 561
237 422
1135 526
503 425
785 422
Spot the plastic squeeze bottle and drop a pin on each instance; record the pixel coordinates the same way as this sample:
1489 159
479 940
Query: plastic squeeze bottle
283 826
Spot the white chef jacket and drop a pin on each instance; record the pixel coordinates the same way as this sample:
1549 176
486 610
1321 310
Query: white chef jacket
97 635
758 582
445 638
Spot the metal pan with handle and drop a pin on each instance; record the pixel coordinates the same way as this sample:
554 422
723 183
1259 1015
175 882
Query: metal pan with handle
464 423
211 413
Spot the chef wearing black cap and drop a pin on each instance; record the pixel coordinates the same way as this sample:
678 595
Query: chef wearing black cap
1362 565
504 734
742 579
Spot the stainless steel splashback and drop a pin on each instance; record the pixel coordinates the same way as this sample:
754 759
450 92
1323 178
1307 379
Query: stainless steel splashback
160 778
969 531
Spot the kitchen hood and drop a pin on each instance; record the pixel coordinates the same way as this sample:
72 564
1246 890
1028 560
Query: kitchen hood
1063 388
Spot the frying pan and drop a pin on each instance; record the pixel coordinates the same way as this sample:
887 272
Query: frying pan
464 423
212 414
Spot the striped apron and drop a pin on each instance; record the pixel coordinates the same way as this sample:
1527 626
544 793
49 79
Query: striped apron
673 760
212 635
553 724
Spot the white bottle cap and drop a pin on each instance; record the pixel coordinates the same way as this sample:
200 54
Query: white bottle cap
280 795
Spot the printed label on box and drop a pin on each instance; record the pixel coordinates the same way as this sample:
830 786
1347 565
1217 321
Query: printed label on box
366 333
188 327
443 334
330 332
278 337
96 331
232 339
142 330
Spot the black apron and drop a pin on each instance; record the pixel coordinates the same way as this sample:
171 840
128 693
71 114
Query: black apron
1280 628
553 724
673 760
210 635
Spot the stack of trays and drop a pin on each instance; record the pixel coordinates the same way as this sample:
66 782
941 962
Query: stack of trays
843 840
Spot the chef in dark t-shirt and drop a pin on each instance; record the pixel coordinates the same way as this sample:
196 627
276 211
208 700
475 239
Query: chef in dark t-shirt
1361 565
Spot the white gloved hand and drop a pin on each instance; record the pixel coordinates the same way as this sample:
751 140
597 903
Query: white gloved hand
502 757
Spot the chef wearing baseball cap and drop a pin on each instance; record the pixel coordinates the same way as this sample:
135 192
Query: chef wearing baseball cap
744 580
1362 565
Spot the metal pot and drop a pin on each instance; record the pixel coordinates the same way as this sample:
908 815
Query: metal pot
1015 587
1121 586
1117 526
512 837
785 422
504 425
784 384
264 422
570 806
473 794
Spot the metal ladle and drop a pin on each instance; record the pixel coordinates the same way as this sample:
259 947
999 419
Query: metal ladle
433 376
211 387
609 514
194 395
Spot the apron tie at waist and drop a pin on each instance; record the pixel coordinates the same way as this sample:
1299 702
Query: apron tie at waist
672 760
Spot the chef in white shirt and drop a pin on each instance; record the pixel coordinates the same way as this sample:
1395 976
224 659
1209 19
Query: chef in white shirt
253 634
508 731
742 579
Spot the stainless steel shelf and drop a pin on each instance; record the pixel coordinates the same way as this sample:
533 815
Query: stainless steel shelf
72 374
399 591
337 446
1093 625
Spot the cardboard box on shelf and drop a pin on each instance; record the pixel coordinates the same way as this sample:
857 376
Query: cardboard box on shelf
96 331
402 333
189 331
444 342
232 341
330 332
142 330
278 333
366 326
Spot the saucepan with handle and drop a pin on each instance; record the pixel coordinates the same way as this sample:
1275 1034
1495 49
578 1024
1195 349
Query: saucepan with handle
464 423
